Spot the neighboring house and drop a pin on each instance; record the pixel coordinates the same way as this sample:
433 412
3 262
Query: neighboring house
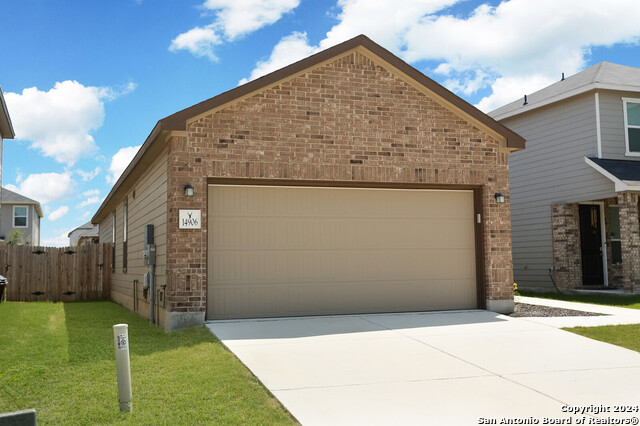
84 234
6 132
574 190
22 214
347 182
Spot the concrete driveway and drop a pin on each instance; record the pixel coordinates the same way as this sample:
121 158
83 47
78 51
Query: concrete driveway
446 368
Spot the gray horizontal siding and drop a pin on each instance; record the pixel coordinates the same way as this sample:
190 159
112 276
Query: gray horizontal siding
550 170
612 124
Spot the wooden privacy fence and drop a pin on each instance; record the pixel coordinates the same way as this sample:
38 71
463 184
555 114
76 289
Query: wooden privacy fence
56 274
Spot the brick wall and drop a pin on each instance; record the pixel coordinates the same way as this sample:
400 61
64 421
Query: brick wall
615 273
630 240
567 261
349 120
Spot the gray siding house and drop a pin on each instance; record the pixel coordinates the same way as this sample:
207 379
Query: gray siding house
6 132
20 213
574 190
84 234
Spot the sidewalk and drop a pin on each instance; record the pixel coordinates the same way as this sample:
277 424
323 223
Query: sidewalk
613 315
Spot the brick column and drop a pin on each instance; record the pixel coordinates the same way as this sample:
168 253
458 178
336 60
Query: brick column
630 236
567 259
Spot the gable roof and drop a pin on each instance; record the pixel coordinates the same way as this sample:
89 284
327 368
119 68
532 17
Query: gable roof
178 121
6 128
604 75
87 229
10 197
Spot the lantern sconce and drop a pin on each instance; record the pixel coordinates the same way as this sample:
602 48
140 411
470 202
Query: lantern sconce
188 190
499 198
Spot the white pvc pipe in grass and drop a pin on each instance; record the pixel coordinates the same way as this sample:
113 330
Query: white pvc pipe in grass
123 368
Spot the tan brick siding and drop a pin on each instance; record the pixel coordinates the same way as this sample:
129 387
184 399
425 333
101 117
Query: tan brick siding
350 120
567 259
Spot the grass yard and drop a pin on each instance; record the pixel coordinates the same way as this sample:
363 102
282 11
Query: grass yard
627 336
59 359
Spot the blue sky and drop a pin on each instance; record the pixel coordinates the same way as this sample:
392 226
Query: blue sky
85 81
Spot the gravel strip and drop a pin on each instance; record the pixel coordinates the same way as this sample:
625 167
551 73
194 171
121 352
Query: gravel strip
526 310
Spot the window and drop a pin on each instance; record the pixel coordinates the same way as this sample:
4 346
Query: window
113 241
614 229
631 109
20 216
125 219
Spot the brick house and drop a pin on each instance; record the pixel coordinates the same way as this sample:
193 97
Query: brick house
347 182
575 189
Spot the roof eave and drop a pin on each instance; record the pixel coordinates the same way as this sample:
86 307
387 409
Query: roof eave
569 94
100 213
6 128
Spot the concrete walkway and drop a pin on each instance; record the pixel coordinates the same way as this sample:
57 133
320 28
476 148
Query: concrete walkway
446 368
613 315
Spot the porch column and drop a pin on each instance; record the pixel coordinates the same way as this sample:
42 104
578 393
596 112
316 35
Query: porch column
567 261
630 240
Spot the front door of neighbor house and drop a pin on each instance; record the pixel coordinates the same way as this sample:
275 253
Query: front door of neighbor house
591 245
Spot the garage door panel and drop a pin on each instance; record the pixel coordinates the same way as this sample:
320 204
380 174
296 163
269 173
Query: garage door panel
279 251
297 266
324 298
318 203
268 234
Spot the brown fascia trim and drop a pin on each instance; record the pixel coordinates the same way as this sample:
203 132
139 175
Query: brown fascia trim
178 121
98 216
6 128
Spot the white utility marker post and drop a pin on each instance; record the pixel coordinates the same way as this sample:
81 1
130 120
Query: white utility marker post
123 368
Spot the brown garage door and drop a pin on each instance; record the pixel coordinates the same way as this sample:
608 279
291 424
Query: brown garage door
286 251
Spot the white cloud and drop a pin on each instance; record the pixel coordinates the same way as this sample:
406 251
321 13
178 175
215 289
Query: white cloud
384 21
58 213
91 193
514 48
508 89
199 41
87 176
85 216
59 122
89 201
60 239
120 161
233 19
46 187
289 50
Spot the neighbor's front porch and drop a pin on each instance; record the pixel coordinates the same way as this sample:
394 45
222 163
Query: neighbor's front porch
596 244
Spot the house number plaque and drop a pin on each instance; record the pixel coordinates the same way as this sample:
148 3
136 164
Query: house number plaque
190 219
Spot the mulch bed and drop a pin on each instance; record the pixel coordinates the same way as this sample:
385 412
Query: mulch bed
526 310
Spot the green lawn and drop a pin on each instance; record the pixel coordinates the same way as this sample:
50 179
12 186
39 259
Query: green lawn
59 359
627 336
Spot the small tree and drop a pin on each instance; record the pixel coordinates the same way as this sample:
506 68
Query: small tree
14 237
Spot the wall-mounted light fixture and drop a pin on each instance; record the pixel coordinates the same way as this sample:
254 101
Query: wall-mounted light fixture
188 190
499 198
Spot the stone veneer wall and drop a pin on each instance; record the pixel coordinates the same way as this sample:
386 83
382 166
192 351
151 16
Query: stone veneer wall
349 120
565 229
